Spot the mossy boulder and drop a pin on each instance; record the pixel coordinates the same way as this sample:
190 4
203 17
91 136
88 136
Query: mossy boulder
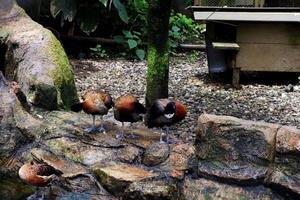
40 62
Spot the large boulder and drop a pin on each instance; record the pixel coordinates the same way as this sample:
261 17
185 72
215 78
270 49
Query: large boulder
17 127
234 149
36 59
286 173
116 177
203 189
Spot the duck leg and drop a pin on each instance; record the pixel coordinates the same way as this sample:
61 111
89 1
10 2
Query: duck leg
167 138
121 135
161 141
132 136
101 129
93 128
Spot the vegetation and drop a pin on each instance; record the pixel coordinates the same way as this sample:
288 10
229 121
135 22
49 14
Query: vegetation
98 52
183 29
87 14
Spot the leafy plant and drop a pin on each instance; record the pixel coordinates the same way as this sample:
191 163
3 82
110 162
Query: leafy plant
98 52
85 13
182 29
132 40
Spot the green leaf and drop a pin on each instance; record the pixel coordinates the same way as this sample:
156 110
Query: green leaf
88 18
119 39
121 10
127 34
175 28
104 2
140 54
141 5
67 7
131 43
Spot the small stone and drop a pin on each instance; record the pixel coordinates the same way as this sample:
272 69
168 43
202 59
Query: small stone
196 189
129 154
156 154
117 177
152 190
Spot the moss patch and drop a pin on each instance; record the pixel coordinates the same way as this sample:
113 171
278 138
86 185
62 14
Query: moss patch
62 75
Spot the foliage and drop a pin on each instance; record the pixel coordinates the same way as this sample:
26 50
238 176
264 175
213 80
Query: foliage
182 29
133 42
98 52
134 35
85 13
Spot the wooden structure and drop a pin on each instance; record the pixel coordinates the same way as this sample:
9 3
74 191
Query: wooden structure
251 39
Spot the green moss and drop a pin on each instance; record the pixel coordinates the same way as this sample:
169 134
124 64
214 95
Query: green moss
158 62
62 75
157 74
66 149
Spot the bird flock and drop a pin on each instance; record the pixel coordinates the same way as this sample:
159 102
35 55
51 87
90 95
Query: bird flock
127 108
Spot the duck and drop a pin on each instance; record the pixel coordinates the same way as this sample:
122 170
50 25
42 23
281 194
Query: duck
95 102
38 174
165 112
127 108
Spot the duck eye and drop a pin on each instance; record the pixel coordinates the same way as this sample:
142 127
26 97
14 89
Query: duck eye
32 163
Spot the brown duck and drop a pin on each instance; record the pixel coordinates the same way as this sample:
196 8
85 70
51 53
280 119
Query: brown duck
128 109
38 174
95 102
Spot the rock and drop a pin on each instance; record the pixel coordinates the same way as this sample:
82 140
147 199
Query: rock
40 62
152 190
67 167
156 154
145 138
179 161
235 149
203 189
116 177
11 188
129 154
17 127
286 172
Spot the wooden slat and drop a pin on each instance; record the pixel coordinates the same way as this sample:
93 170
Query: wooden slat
248 16
268 57
225 46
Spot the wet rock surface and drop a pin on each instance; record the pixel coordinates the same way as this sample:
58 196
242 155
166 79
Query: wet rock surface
203 189
286 172
235 149
156 154
98 166
230 150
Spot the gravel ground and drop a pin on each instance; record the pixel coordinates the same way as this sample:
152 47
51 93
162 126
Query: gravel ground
261 97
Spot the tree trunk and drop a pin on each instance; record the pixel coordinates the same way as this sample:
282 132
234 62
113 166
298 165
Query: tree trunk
158 50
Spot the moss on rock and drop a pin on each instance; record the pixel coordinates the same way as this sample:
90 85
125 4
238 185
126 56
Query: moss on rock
62 75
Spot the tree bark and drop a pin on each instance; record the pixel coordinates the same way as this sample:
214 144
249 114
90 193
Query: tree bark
158 50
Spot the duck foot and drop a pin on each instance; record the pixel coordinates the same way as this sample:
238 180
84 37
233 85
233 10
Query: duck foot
132 136
91 129
120 136
101 129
